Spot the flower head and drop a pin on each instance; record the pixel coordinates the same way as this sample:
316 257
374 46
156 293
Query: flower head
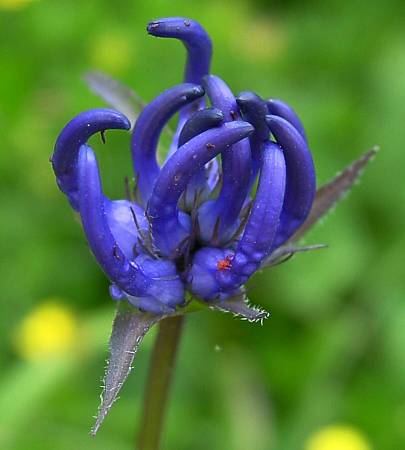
47 331
194 226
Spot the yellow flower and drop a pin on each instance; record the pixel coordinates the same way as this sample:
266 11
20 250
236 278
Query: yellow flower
49 330
14 4
338 437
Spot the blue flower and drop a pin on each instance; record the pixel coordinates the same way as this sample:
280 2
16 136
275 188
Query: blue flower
194 227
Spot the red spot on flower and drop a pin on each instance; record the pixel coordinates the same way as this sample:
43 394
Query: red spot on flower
224 264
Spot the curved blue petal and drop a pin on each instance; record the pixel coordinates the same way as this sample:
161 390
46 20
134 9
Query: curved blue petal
263 222
301 181
219 273
236 171
75 134
194 38
168 231
199 122
148 128
282 109
132 276
199 52
254 111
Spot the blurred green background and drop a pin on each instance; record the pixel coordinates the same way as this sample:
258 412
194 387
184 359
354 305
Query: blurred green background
333 352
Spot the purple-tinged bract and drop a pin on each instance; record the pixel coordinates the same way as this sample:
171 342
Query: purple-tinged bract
191 225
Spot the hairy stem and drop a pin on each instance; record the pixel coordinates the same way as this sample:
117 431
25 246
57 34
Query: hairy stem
159 381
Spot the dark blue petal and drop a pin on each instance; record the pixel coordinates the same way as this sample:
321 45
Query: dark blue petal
109 255
165 288
301 184
282 109
195 39
263 223
199 52
168 231
148 128
254 111
236 171
199 122
75 134
133 277
219 273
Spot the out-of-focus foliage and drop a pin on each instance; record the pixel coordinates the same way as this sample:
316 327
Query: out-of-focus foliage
333 350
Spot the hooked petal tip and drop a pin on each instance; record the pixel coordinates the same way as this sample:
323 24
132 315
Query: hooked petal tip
254 110
195 91
278 125
171 26
247 97
199 122
281 109
152 26
195 39
215 113
73 136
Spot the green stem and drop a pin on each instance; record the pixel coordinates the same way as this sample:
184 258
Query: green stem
158 385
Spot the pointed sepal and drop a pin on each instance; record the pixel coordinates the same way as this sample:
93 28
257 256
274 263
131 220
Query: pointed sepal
286 252
328 195
240 307
129 328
